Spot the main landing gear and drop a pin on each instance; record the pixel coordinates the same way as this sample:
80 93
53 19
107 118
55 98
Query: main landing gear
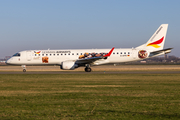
24 68
87 68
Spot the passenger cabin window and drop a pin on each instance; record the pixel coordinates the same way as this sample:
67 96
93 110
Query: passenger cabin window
121 52
128 52
124 52
54 54
57 54
77 53
17 54
117 53
39 54
42 54
72 53
46 54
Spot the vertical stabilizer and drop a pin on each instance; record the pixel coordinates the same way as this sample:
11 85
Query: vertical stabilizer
156 42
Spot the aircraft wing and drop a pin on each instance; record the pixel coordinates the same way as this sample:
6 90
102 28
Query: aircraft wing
159 52
93 59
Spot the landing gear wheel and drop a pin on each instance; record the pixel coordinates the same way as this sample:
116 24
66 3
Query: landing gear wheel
88 69
24 70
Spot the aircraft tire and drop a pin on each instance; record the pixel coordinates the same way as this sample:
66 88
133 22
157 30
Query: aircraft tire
88 69
24 70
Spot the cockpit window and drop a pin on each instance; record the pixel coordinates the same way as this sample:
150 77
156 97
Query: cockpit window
17 54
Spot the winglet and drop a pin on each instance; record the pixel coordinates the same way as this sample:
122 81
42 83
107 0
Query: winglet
107 55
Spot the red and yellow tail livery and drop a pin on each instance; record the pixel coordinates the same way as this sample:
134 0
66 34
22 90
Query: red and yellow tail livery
156 43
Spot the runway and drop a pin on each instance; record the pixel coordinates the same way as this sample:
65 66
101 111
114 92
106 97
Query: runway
93 72
106 69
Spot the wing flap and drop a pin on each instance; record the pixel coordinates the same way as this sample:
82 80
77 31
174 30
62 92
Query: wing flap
88 60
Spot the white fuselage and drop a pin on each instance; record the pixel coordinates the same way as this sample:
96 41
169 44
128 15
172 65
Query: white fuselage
56 57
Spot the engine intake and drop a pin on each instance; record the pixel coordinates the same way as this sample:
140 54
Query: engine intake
68 65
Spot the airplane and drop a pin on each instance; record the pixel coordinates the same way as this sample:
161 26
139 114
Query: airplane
74 58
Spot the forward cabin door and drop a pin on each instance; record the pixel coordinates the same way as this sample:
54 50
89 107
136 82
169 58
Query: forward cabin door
28 55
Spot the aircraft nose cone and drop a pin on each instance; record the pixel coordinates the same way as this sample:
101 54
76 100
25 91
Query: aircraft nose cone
8 61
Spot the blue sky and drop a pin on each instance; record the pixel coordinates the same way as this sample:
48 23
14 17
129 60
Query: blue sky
76 24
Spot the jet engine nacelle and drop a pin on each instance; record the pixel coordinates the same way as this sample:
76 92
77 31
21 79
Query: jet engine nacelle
68 65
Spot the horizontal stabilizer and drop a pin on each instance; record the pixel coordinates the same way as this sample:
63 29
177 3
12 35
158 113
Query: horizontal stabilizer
159 52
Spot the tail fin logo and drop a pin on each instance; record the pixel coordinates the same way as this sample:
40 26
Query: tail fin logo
155 44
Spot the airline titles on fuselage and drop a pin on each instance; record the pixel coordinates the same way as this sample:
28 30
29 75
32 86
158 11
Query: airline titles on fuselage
56 51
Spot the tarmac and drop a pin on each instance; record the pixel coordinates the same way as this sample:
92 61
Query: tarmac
105 69
77 72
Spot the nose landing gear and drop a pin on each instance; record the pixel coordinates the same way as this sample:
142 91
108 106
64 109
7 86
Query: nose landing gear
24 68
